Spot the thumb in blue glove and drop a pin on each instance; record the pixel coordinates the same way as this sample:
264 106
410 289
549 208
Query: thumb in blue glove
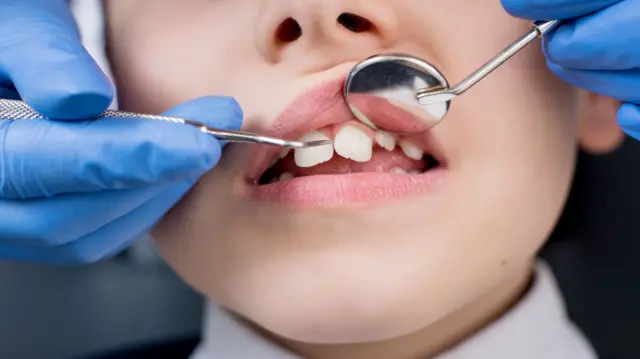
43 61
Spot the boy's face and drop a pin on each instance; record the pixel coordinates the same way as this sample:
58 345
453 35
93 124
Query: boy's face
352 258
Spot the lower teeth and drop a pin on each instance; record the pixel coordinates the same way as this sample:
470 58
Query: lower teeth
270 176
285 177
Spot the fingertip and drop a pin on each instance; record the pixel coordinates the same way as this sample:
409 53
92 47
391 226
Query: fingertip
555 68
629 119
529 9
168 151
513 7
59 79
232 107
73 106
564 46
210 155
82 94
221 112
188 152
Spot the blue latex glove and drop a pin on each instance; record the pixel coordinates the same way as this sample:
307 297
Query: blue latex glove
78 191
597 49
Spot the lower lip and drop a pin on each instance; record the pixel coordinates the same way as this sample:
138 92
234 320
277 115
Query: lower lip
337 190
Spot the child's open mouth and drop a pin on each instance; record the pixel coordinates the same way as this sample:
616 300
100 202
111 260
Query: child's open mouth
362 165
356 149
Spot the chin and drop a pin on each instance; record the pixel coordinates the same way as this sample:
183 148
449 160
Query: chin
340 297
331 277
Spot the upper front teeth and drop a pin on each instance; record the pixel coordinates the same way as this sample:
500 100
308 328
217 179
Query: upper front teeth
353 144
284 152
386 140
309 157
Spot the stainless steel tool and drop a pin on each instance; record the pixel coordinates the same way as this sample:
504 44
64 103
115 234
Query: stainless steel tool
18 110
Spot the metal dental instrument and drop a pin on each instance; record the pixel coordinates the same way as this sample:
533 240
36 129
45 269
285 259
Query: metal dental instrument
18 110
412 85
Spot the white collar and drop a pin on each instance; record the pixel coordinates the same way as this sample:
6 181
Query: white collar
536 328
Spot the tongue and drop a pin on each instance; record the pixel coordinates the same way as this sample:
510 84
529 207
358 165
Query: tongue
381 161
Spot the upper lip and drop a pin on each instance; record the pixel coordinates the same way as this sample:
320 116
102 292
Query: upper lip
320 106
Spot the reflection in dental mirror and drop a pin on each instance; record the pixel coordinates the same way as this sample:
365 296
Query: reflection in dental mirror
381 92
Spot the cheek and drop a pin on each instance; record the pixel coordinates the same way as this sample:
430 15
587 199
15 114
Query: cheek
151 79
513 135
155 73
512 144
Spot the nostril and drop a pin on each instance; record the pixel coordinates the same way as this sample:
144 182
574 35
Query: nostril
289 30
355 23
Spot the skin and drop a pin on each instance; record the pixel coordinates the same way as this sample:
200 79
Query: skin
403 279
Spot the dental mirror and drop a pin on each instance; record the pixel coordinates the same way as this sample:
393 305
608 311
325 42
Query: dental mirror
381 93
404 94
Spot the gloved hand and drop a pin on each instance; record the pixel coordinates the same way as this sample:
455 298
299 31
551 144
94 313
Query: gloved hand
78 191
597 49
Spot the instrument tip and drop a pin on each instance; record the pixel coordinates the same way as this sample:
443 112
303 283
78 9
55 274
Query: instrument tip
312 143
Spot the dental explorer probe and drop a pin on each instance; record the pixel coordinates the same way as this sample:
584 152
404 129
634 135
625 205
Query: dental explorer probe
19 110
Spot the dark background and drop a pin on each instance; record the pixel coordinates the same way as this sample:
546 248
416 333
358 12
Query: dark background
595 252
66 313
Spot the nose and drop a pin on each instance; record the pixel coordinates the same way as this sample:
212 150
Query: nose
322 33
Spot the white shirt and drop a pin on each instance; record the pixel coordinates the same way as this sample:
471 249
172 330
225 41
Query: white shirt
536 328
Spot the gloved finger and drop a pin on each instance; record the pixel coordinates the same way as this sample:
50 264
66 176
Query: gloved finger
629 120
214 111
42 56
46 158
554 9
106 241
621 85
62 219
607 40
